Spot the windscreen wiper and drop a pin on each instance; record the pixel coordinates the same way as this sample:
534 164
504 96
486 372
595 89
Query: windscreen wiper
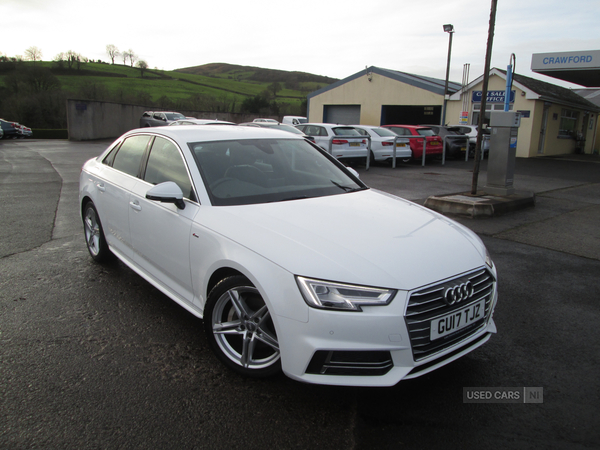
348 188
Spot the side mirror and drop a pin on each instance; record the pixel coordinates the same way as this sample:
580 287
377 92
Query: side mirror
167 192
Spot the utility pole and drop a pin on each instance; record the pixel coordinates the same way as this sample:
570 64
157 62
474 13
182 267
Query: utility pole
486 79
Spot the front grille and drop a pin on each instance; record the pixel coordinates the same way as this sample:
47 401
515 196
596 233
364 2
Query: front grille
428 303
358 363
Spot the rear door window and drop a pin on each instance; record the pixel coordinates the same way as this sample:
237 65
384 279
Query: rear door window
425 132
129 155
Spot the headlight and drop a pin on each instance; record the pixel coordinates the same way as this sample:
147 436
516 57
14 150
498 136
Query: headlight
488 259
346 297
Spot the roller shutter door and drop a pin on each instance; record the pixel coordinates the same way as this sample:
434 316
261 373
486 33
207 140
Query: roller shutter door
344 114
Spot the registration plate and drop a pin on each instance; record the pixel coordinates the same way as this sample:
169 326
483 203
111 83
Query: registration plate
354 144
434 143
457 320
400 145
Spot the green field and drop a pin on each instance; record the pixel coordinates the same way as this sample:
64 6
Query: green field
212 88
157 83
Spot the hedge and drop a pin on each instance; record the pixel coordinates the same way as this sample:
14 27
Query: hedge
50 134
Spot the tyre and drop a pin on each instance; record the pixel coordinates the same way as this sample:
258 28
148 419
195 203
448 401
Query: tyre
240 330
94 234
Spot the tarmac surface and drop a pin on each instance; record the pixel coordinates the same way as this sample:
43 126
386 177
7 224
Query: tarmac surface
92 356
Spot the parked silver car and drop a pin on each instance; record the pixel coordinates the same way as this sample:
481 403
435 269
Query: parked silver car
159 118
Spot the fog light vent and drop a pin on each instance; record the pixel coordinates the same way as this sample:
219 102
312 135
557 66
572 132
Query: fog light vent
358 363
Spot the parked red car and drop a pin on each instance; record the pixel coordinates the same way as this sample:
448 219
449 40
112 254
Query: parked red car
434 142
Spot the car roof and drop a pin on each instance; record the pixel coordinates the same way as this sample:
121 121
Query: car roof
412 127
194 133
205 121
366 126
325 124
273 126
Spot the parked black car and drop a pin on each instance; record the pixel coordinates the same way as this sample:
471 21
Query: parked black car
455 146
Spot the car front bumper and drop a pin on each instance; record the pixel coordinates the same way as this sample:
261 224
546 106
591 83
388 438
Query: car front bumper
375 347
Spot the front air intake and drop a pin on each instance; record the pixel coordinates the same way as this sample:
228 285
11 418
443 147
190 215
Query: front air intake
351 363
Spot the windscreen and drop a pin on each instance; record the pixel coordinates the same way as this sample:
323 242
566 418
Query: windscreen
384 132
174 116
242 172
345 131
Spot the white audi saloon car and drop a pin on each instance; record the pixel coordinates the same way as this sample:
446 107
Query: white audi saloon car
382 143
293 263
342 141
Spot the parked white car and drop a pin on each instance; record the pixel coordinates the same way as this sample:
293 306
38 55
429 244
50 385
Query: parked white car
382 143
292 262
294 120
259 120
342 141
471 131
192 121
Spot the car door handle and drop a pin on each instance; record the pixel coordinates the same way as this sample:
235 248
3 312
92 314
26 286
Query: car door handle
135 205
100 187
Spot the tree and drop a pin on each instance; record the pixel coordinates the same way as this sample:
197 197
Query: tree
72 58
40 80
275 87
59 60
33 54
142 65
125 56
112 52
255 105
132 57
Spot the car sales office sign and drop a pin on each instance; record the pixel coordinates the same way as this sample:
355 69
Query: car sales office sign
493 96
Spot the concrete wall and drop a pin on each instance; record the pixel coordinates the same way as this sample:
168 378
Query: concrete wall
89 120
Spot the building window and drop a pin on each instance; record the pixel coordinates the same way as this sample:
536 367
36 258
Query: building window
488 108
568 122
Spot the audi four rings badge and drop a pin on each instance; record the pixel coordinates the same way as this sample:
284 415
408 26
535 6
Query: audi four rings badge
459 293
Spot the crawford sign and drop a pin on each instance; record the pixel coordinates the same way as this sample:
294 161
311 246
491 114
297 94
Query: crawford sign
565 60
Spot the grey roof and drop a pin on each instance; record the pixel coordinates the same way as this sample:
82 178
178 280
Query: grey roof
553 93
590 94
434 85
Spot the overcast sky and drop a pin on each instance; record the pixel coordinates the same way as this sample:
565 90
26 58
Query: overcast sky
336 38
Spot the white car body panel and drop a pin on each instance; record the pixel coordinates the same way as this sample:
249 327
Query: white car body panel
160 235
333 238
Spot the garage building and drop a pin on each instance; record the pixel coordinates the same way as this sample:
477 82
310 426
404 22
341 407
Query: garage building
554 120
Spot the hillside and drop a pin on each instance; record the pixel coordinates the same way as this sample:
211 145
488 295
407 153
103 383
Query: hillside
255 74
35 93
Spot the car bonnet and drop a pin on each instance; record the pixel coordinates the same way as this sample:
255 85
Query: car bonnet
368 238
